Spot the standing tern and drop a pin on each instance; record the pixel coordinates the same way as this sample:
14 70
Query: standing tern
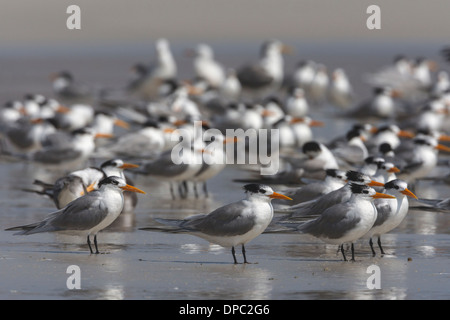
340 92
86 215
206 67
233 224
268 72
348 221
390 212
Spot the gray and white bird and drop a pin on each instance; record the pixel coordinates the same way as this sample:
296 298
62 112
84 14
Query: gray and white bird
234 224
390 212
87 215
268 72
347 221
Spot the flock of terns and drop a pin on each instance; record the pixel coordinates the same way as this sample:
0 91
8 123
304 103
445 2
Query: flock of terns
354 187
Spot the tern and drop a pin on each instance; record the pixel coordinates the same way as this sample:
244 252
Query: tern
233 224
268 72
86 215
206 67
348 221
340 93
390 212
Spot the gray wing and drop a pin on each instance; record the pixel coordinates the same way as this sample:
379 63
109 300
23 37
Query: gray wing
164 167
350 154
55 156
332 223
319 205
383 210
81 214
224 221
253 76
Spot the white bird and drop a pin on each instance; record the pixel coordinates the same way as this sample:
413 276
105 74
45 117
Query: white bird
231 87
319 86
340 92
422 159
296 104
78 116
441 85
353 152
206 67
390 133
303 75
233 224
86 215
318 159
347 221
390 212
381 105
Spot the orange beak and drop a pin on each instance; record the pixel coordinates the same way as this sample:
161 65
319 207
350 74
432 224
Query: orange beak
405 134
132 189
277 195
129 166
374 183
441 147
408 193
394 170
103 135
122 124
380 195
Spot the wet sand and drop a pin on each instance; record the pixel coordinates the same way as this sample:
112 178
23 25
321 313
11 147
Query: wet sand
140 264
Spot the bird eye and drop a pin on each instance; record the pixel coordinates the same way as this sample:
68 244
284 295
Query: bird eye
262 191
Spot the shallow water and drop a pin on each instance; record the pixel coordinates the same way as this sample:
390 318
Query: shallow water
140 264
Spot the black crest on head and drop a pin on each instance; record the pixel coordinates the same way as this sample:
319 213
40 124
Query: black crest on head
355 176
108 180
311 146
253 188
385 147
359 188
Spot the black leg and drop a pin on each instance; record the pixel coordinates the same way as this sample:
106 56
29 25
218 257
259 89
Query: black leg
342 251
371 247
243 253
234 255
379 245
95 244
195 190
205 189
353 253
89 244
171 191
